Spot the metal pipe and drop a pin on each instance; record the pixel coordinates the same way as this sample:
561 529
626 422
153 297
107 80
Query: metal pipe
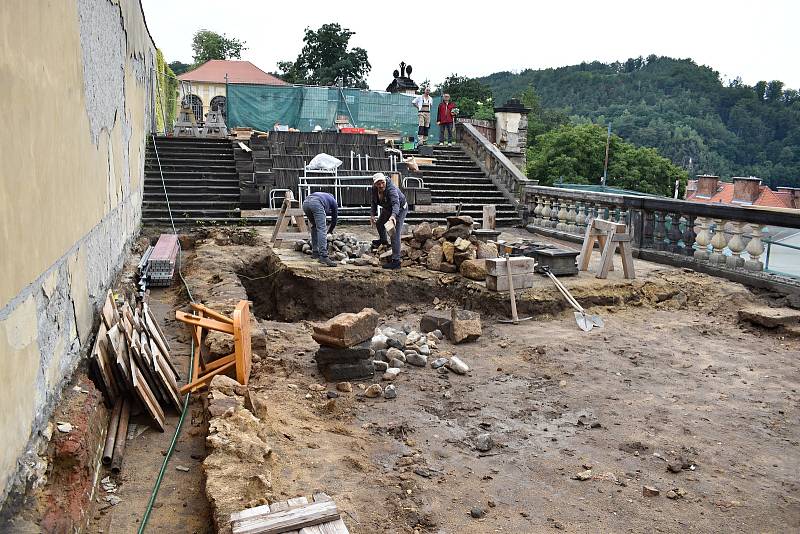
366 162
351 160
111 433
122 435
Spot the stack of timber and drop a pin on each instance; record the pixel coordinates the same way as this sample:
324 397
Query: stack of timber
157 267
297 516
130 364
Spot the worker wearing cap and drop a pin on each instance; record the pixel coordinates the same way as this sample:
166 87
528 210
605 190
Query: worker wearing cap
317 207
423 103
393 206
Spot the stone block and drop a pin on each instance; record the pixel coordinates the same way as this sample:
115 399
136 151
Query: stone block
464 326
770 317
439 232
500 283
461 244
455 232
560 262
519 265
423 232
435 320
338 372
346 329
473 269
448 250
435 257
486 251
327 354
460 257
448 268
455 220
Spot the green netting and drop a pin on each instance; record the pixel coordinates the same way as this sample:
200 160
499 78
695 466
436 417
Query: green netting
261 106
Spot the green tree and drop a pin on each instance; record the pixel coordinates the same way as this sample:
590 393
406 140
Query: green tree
576 153
326 60
178 67
208 45
540 120
469 95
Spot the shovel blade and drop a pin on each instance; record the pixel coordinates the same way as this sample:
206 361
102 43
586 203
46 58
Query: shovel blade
584 322
597 321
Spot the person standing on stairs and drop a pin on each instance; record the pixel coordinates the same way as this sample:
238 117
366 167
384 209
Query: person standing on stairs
317 207
393 207
423 103
445 119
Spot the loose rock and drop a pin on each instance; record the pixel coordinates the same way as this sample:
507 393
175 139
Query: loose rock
390 392
413 358
438 362
344 387
465 326
395 354
484 442
650 491
380 365
375 390
457 366
477 513
394 362
391 373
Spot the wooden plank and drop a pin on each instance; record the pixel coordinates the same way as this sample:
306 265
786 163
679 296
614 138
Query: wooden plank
109 312
161 372
150 322
607 258
586 249
205 322
242 340
100 356
609 226
208 312
147 397
119 348
627 260
295 518
519 265
157 338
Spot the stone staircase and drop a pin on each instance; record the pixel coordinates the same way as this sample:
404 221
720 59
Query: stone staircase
200 178
454 178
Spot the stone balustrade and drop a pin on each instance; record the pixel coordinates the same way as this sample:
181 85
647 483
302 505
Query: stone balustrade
506 176
719 237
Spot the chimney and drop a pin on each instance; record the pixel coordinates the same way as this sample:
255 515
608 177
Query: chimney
746 190
707 185
795 191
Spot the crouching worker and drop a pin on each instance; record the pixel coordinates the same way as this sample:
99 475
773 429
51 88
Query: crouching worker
318 206
393 207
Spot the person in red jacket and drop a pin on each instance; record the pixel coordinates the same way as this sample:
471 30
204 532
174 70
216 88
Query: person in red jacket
444 118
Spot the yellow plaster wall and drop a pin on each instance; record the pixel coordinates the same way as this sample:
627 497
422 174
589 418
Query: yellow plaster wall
56 186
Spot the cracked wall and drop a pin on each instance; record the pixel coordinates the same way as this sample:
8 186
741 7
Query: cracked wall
77 77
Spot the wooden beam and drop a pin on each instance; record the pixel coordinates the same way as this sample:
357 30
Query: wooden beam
209 324
292 519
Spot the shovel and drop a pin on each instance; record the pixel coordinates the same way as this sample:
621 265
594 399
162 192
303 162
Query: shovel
514 317
585 321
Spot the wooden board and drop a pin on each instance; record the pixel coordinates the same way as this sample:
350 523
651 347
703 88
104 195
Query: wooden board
104 369
150 322
519 265
164 374
109 312
147 397
282 521
119 350
157 336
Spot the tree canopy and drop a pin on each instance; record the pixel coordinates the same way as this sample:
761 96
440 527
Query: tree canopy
208 45
576 154
473 98
326 60
676 106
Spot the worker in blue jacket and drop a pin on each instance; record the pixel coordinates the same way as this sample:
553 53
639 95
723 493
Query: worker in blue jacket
317 207
393 206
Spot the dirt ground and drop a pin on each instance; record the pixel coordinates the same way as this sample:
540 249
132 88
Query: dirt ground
672 376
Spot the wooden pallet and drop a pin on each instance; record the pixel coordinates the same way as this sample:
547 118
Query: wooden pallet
295 516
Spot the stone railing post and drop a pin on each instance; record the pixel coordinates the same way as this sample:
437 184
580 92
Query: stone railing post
674 235
660 230
545 222
755 248
688 235
702 238
537 211
561 226
580 218
719 242
736 246
570 226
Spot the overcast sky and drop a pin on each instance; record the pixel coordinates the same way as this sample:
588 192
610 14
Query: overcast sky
737 38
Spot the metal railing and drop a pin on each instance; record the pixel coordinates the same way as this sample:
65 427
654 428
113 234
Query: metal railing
340 186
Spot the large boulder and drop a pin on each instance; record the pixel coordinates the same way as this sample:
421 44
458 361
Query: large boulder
454 232
346 329
464 326
486 250
435 320
423 232
455 220
473 269
448 249
435 257
460 257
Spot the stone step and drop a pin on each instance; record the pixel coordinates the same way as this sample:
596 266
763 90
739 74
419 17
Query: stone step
170 152
177 214
179 196
159 220
191 205
454 174
198 184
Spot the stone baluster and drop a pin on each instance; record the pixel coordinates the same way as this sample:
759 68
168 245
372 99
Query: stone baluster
537 211
546 211
702 238
719 242
659 231
570 225
580 218
688 235
674 234
755 248
591 209
736 246
648 227
561 216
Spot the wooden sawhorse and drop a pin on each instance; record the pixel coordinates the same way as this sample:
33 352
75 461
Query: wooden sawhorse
291 212
608 235
205 319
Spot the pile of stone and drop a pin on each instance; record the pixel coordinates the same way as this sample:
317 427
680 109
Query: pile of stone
341 247
345 351
448 249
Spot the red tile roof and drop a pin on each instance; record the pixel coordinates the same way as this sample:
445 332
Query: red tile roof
767 197
214 71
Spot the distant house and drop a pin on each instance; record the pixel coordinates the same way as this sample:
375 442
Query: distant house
741 192
206 83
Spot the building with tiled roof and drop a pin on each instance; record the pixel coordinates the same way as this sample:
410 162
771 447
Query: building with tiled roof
207 83
741 192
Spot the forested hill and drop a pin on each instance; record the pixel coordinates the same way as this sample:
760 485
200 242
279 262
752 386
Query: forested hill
679 108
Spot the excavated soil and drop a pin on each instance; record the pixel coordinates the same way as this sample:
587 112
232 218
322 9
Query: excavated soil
672 376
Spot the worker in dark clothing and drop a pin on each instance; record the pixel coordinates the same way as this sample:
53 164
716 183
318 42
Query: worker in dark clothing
393 207
318 206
